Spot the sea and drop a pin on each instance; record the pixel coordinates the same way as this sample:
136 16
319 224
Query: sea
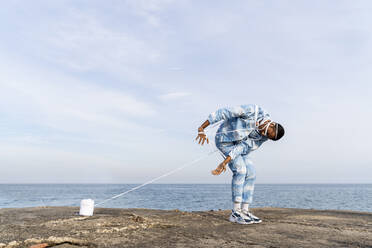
189 197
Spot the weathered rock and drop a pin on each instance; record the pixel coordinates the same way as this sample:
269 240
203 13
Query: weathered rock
61 227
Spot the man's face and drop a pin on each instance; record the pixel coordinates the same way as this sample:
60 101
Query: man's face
271 131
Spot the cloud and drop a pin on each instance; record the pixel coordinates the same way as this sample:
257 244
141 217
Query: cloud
46 164
175 68
150 9
65 103
174 96
86 43
99 78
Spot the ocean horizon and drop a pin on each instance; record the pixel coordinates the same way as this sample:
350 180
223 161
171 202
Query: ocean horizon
188 197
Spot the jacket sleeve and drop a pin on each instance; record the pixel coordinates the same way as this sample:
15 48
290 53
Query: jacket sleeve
238 149
244 111
263 115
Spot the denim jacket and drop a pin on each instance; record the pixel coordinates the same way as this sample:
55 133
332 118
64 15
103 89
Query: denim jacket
239 127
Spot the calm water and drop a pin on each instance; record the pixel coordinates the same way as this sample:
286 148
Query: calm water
189 196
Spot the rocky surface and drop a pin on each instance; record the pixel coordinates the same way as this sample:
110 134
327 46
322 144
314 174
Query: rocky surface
62 227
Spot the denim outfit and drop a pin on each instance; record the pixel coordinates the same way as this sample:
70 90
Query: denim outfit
236 137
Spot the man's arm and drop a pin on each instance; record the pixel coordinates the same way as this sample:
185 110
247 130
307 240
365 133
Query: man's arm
221 167
263 115
225 114
203 126
238 149
201 135
228 113
246 111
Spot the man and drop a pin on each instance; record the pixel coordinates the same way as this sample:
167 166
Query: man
244 129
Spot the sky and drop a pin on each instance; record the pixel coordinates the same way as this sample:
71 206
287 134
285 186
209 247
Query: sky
114 91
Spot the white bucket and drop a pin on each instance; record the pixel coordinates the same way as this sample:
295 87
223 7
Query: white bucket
86 207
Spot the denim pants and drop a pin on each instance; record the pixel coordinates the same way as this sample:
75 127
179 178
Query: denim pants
244 174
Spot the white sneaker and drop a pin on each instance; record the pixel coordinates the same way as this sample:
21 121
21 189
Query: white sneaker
240 218
254 218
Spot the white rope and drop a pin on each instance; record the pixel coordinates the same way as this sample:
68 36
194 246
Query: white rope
170 172
157 178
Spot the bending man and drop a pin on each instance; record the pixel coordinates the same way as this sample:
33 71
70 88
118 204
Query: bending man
243 129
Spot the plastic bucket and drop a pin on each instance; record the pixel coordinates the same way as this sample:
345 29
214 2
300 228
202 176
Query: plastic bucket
86 207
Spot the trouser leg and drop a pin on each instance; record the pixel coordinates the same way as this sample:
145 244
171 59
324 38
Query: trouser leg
239 170
249 180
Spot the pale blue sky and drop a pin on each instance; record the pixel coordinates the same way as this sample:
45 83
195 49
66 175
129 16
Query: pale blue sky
113 91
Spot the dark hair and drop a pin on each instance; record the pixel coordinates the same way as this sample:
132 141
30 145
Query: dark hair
279 131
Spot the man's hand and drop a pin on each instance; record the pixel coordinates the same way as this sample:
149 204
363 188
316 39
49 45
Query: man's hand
220 168
202 136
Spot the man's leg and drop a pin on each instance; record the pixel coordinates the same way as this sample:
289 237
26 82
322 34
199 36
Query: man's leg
239 171
238 168
249 181
248 189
